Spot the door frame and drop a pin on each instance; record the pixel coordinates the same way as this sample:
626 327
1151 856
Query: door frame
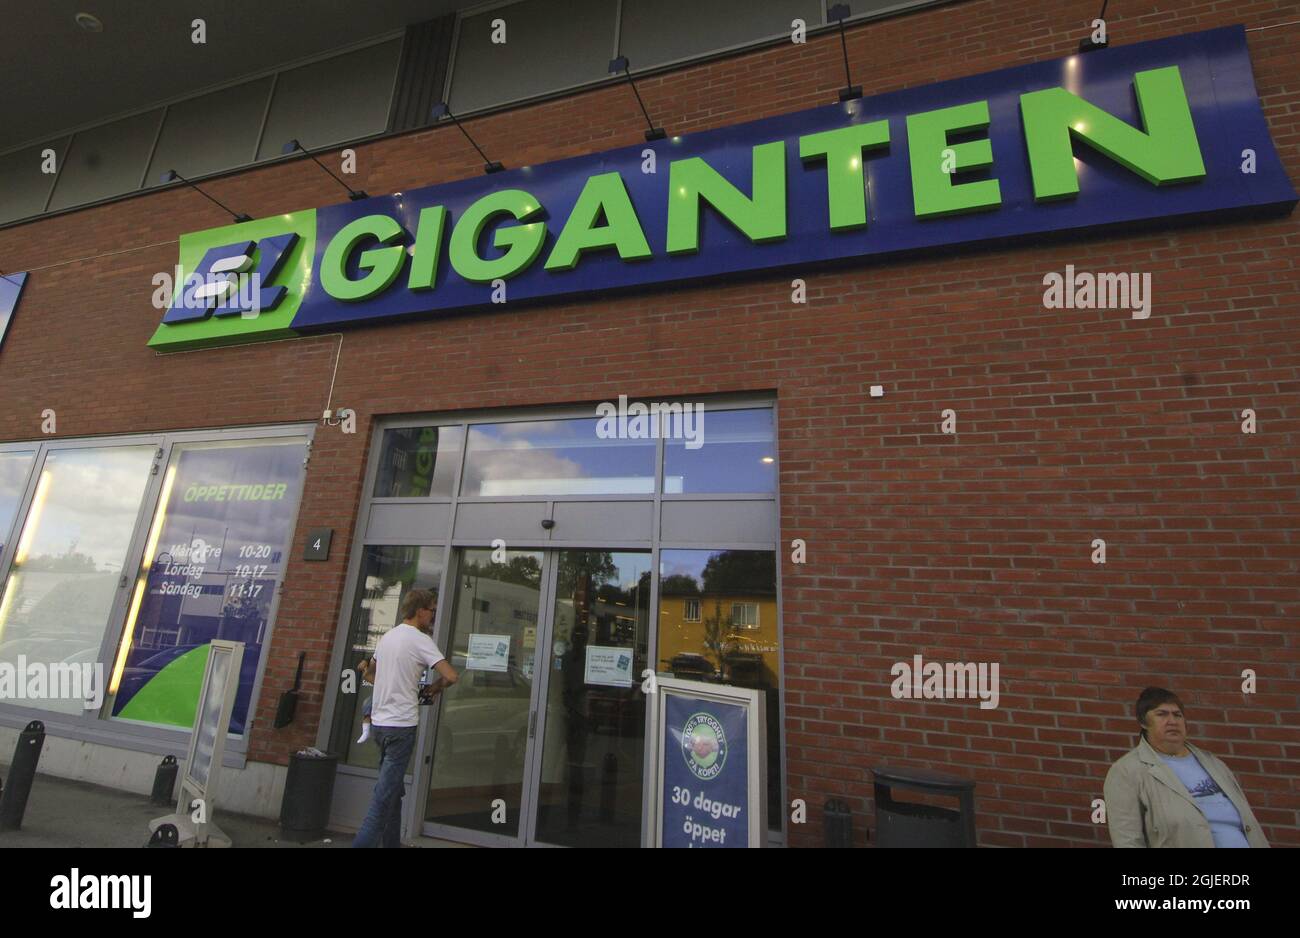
535 748
427 737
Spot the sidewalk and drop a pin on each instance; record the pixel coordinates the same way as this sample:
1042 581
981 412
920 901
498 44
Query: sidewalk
64 813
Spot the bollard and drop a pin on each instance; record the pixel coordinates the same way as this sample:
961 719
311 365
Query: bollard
164 782
13 803
839 824
165 836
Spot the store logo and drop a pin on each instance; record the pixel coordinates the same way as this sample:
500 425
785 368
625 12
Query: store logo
226 283
704 746
239 282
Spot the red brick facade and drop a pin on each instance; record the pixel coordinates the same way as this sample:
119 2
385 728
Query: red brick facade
1072 425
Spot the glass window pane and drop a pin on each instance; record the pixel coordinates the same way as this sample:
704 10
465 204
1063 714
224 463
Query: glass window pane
738 455
555 457
416 462
526 64
327 102
652 32
387 575
482 738
214 132
24 185
15 468
214 556
736 640
106 161
589 793
70 554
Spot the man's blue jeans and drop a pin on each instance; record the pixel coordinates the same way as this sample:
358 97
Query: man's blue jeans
383 823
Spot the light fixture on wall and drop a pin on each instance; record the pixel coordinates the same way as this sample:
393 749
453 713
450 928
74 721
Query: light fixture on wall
441 110
1088 45
355 195
620 64
839 13
89 22
171 176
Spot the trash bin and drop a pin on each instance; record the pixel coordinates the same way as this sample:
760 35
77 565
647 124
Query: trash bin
308 791
908 824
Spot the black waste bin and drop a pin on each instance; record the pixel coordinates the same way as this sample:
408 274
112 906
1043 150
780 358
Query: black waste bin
308 790
908 824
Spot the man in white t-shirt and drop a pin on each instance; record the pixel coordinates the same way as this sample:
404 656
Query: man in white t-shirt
400 658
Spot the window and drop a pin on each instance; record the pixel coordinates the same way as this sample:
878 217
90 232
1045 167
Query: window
15 468
107 160
486 73
24 184
63 581
735 641
388 573
744 615
417 462
133 555
337 99
555 457
691 610
214 556
731 451
210 133
651 33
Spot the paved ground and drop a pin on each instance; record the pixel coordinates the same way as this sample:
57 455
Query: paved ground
63 813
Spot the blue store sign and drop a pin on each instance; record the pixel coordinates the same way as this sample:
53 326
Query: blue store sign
1155 132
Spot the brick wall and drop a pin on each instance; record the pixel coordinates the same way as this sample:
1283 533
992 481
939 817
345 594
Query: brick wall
1072 425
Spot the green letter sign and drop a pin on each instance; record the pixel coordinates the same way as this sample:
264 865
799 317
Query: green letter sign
1167 152
522 243
933 191
760 218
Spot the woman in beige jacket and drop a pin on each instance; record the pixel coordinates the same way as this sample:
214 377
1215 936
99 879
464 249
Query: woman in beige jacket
1168 793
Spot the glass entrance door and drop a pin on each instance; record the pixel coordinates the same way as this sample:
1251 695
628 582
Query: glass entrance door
542 740
480 750
588 772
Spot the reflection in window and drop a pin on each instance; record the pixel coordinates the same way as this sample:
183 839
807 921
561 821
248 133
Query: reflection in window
738 455
387 575
70 554
14 471
214 556
483 720
555 457
416 462
735 641
595 711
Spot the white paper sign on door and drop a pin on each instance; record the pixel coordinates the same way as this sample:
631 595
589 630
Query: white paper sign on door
488 653
610 666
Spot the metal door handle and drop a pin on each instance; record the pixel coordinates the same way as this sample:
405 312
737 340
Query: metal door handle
532 724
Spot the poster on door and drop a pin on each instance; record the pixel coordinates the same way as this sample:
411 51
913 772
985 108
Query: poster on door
488 653
608 666
711 774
